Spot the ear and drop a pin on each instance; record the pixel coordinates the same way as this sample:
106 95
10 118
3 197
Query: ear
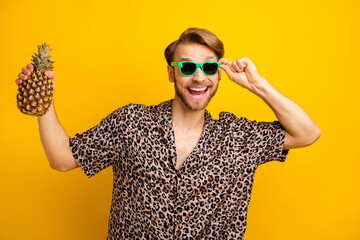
170 73
219 74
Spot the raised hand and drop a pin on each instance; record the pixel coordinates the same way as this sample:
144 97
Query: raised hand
242 71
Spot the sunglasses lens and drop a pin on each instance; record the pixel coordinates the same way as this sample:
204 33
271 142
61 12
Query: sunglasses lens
188 68
210 68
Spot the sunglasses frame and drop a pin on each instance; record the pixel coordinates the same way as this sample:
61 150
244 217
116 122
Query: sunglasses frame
180 64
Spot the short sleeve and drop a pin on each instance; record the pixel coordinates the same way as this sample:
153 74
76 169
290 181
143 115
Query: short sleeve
97 148
265 140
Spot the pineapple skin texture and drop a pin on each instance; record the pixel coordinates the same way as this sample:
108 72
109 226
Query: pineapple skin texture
35 94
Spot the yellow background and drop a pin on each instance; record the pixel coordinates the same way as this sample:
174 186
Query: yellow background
110 53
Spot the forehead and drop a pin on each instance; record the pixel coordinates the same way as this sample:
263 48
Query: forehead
194 52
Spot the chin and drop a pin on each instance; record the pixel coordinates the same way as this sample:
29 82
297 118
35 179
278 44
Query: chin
196 107
191 104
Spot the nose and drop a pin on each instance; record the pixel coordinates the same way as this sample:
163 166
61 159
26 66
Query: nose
199 75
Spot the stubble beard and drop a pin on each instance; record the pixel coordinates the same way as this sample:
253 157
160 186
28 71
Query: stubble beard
187 103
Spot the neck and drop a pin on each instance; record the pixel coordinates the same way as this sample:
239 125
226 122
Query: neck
185 118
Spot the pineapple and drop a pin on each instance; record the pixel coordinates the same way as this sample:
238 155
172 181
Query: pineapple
36 93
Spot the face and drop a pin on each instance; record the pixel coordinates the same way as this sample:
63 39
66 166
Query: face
196 91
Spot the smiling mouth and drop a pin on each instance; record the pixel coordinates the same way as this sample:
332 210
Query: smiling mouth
198 90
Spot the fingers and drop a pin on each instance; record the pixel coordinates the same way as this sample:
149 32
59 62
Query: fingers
238 65
242 63
30 67
226 67
22 76
25 73
18 81
227 63
49 74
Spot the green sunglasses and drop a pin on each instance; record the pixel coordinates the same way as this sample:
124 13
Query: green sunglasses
190 68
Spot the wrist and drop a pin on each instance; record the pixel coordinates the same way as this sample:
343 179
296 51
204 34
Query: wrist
49 112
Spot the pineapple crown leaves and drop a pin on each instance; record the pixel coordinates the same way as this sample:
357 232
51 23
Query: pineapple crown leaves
41 60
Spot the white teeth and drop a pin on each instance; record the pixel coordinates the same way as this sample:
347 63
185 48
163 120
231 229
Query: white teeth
198 89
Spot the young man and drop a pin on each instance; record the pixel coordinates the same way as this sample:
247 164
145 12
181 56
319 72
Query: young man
178 173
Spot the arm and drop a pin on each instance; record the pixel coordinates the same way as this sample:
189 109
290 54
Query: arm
53 136
301 130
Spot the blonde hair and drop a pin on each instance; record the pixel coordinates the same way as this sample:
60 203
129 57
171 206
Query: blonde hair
196 35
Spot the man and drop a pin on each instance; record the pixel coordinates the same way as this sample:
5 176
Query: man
178 173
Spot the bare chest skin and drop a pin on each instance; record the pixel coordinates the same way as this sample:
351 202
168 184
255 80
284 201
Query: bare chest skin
185 144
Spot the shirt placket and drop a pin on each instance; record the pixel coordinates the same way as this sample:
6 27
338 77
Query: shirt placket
179 192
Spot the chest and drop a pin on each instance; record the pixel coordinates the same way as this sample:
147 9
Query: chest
208 179
185 143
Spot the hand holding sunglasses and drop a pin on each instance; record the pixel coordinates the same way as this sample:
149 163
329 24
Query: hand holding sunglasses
242 71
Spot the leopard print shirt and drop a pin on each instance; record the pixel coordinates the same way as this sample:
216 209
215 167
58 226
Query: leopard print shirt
206 199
